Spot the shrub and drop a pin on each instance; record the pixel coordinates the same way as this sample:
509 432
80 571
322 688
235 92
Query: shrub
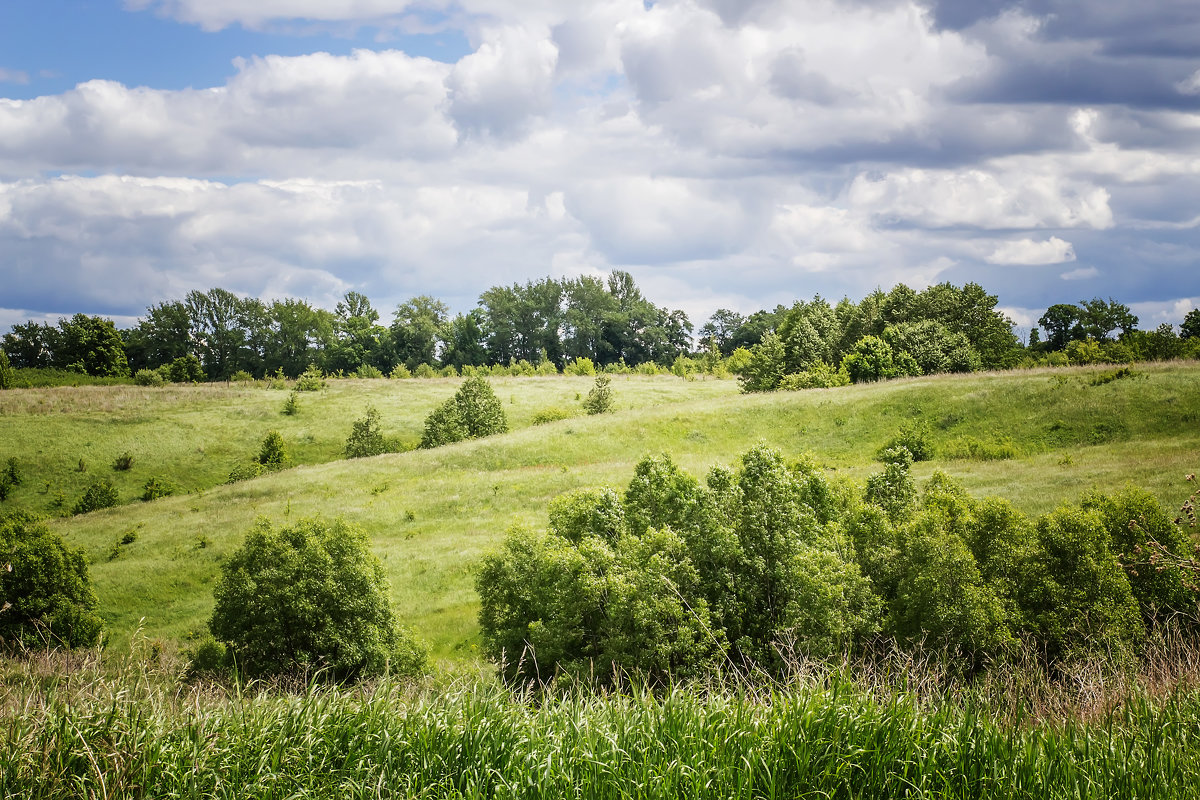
244 472
45 590
185 369
551 414
425 371
401 372
448 371
12 471
368 371
311 380
309 596
546 367
819 376
600 398
148 377
473 412
123 462
869 360
913 437
101 494
366 439
241 376
893 489
291 406
580 366
156 487
273 453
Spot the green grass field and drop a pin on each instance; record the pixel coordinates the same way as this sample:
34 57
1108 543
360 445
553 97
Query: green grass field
432 514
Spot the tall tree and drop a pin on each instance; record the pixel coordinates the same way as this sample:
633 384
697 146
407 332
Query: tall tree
720 330
1099 318
93 345
1061 324
418 328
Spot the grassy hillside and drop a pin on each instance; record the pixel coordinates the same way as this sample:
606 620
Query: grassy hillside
431 514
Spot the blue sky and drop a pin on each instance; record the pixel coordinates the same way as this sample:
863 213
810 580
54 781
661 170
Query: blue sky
728 153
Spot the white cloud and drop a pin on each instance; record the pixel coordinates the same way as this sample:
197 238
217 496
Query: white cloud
982 199
13 76
505 82
1081 274
1030 252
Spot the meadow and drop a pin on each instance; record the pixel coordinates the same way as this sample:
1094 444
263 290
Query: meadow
1036 438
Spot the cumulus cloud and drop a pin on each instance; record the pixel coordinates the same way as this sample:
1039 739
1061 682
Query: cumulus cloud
1029 252
1081 274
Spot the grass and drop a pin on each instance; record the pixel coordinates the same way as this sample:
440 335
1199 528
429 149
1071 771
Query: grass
76 731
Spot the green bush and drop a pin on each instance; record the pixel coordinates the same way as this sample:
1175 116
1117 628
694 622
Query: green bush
241 376
306 597
156 487
291 406
425 371
273 452
311 380
915 438
551 414
580 366
366 439
46 597
244 472
870 359
368 371
819 376
101 494
600 398
148 377
401 372
185 369
473 412
123 462
6 371
893 489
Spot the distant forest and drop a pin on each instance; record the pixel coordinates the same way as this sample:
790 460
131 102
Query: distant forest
217 335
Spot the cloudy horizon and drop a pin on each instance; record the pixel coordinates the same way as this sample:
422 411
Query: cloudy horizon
727 153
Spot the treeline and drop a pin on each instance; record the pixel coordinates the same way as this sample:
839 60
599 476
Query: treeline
549 324
548 320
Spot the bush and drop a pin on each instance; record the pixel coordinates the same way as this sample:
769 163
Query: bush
600 398
241 376
291 406
45 590
473 412
311 380
913 437
156 487
123 462
818 376
244 472
101 494
366 439
546 367
425 371
185 369
148 377
273 453
401 372
551 414
870 360
309 596
580 366
367 371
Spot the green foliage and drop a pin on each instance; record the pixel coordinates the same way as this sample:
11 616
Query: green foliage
241 376
600 398
968 448
272 454
551 414
123 462
401 372
185 369
101 494
309 596
244 472
46 598
312 379
291 406
580 366
424 370
6 371
914 437
893 489
870 360
366 439
148 377
473 412
764 369
1120 373
368 371
819 375
156 487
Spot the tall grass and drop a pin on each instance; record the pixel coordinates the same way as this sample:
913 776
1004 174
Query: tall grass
74 730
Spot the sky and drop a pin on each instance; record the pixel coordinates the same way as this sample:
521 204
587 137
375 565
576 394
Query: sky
728 153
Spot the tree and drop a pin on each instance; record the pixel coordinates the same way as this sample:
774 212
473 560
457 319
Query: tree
162 336
1061 324
31 345
600 398
6 371
1190 328
418 326
464 341
46 598
720 329
92 345
273 453
357 339
365 438
1099 318
309 596
871 360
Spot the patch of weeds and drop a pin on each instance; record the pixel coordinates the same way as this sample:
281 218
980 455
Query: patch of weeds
380 488
123 462
202 542
914 437
1066 460
839 421
156 487
552 414
968 448
409 516
81 466
948 421
1113 375
1106 431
